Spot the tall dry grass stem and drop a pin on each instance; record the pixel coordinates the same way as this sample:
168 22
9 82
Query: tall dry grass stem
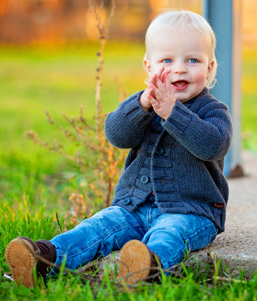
103 168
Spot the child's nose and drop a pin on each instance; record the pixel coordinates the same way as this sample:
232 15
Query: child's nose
179 67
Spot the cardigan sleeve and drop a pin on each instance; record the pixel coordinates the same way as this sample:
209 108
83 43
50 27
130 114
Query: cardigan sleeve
124 128
207 134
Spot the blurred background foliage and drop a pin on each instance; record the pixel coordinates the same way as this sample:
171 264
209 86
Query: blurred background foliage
62 21
48 62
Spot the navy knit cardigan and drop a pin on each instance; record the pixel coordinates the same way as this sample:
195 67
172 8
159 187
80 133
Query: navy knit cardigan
180 159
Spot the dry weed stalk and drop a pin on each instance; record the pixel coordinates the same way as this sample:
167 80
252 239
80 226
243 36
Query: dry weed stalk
102 30
107 160
77 211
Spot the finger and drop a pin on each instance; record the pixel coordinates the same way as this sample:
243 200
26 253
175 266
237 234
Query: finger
154 93
158 96
160 71
160 86
167 84
151 91
153 80
165 73
147 92
154 103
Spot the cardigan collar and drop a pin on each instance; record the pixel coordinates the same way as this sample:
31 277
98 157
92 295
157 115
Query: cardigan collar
191 101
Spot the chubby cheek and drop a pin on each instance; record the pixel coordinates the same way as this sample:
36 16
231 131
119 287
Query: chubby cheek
200 79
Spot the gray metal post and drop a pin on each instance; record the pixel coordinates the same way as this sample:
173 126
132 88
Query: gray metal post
224 17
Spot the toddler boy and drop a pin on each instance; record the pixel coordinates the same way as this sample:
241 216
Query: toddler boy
172 194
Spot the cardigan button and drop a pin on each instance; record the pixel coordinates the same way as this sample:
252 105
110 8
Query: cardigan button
144 179
158 120
126 201
160 151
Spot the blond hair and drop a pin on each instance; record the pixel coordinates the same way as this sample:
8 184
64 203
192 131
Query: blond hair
184 20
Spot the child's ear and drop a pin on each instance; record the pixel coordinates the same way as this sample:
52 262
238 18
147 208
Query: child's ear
210 68
147 66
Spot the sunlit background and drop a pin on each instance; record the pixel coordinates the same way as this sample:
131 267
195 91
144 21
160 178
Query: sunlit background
55 21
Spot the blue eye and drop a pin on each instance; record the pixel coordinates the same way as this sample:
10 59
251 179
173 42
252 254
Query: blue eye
167 61
192 61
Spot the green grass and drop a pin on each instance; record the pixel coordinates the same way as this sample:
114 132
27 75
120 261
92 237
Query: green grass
37 223
34 183
58 80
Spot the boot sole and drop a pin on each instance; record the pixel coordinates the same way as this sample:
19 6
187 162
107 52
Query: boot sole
21 262
134 256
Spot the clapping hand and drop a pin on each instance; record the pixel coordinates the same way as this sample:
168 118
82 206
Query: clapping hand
159 94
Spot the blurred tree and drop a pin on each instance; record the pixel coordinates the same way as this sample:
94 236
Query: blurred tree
24 21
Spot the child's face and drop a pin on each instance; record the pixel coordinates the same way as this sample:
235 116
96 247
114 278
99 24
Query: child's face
188 57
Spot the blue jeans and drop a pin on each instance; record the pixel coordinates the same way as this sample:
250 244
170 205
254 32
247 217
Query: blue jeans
166 234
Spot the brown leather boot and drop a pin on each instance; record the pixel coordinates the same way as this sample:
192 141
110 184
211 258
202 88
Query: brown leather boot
136 256
21 261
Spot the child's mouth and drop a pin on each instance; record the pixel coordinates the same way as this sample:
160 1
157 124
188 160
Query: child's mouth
180 85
